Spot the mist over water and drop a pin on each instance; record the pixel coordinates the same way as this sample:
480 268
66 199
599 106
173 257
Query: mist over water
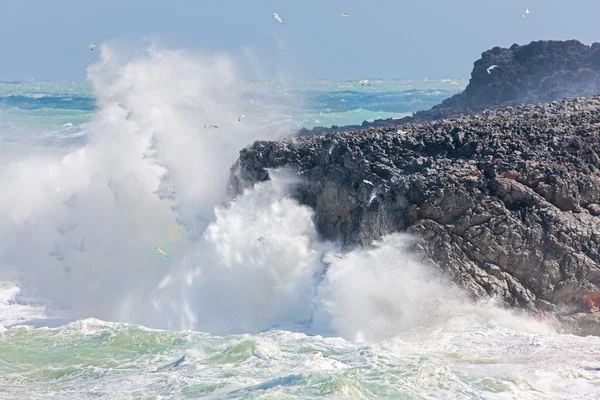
81 227
258 266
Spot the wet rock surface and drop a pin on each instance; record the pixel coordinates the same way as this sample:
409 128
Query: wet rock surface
506 202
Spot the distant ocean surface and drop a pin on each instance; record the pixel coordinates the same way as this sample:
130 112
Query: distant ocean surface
250 303
57 111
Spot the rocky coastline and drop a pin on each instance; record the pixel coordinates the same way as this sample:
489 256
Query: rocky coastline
506 201
539 72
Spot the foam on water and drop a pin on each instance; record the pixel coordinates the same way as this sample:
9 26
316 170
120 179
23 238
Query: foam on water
79 227
97 358
15 310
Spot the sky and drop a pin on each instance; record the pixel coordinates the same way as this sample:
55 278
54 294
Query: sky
387 39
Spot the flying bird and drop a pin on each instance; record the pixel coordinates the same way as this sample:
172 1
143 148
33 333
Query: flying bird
211 126
368 182
364 82
526 12
241 116
92 46
171 190
490 68
278 18
344 14
161 252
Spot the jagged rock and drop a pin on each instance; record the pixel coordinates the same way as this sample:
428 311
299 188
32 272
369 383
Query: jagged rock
506 202
542 71
582 324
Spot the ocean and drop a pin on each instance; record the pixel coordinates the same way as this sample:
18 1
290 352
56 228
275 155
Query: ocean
251 303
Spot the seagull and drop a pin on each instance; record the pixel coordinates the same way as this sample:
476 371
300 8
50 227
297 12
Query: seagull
92 46
171 190
368 182
344 14
490 68
364 82
211 126
161 252
241 116
56 254
278 18
526 12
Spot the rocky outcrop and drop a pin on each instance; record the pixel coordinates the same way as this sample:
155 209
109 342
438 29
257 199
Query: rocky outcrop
506 202
541 71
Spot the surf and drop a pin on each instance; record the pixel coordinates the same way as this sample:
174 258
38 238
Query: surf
81 226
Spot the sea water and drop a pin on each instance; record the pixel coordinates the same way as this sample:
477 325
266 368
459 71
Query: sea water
250 302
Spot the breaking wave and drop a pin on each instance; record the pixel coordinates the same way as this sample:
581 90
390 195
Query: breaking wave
80 226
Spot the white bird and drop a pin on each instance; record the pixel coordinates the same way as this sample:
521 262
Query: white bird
526 12
490 68
161 252
241 116
211 126
368 182
171 190
364 82
344 14
92 46
278 18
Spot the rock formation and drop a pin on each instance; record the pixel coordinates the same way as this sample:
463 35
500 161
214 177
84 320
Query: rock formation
506 202
541 71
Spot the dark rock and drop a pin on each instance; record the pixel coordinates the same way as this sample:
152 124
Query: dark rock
539 72
506 202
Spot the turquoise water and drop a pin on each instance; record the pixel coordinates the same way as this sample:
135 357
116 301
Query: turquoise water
94 359
59 109
250 303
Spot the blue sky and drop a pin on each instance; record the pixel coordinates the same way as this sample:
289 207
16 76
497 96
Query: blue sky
401 39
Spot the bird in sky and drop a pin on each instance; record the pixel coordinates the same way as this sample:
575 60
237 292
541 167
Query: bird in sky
211 126
92 46
278 18
344 14
161 252
526 12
